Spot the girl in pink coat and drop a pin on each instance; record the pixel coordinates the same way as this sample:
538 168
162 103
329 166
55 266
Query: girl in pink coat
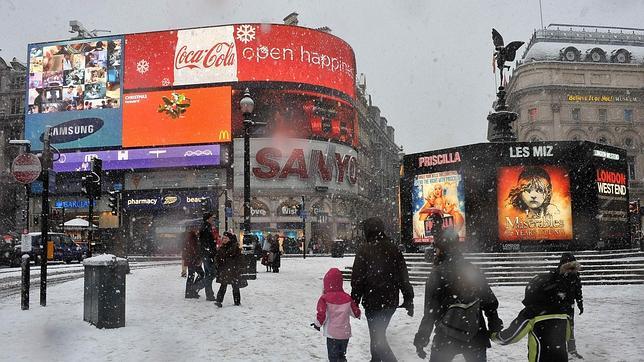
333 312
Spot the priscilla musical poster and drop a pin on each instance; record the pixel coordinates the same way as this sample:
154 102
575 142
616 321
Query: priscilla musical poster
534 203
442 191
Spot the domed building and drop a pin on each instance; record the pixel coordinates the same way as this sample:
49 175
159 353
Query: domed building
579 82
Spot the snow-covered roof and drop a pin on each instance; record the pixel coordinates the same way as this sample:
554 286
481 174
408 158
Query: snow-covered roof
545 50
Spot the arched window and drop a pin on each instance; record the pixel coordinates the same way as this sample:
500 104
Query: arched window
535 139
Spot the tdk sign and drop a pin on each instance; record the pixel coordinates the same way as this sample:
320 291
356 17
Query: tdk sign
74 130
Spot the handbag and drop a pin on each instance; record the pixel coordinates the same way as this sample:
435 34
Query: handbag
461 321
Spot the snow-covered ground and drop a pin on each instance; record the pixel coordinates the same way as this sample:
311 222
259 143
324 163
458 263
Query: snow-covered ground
272 324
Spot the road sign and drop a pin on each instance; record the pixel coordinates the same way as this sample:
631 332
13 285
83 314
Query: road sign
26 168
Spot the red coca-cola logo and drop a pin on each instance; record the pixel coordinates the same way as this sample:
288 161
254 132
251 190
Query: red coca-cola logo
219 55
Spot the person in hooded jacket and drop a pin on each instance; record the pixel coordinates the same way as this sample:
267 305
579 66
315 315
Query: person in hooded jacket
545 316
334 309
275 254
379 274
192 256
574 294
228 262
456 297
208 250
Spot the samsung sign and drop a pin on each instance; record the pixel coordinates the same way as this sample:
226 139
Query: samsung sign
93 128
142 158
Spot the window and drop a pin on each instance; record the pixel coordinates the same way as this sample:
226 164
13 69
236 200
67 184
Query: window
603 140
535 139
576 114
631 167
628 115
628 142
16 106
17 82
532 114
603 115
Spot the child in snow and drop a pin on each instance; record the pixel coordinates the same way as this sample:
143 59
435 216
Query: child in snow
333 311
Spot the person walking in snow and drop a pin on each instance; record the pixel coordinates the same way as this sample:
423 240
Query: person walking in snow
208 250
456 296
545 316
334 309
192 255
275 254
379 273
228 262
573 294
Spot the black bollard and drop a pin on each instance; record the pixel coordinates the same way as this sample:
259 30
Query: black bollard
24 289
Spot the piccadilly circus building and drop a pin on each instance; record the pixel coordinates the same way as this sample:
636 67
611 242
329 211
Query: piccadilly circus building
162 112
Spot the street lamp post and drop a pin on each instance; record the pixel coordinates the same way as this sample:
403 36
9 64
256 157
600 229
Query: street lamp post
246 105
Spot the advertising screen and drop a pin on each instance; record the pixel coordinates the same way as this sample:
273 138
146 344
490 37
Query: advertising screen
174 117
245 52
141 158
612 202
534 203
442 191
300 114
75 86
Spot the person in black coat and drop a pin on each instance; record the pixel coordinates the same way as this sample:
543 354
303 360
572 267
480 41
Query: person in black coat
208 250
192 257
546 316
573 293
275 253
228 261
456 297
379 273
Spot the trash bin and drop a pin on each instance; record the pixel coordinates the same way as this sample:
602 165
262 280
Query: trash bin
104 291
249 261
337 250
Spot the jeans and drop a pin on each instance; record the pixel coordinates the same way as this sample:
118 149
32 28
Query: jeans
378 321
337 349
209 268
572 346
222 292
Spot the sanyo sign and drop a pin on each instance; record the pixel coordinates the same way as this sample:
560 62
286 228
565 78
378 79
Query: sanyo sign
300 163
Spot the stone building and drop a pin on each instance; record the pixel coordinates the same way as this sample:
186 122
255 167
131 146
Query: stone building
12 94
583 83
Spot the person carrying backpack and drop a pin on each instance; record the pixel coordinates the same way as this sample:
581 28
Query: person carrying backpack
456 297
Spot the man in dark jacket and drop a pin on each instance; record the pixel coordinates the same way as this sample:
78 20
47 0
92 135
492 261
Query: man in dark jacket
456 296
572 285
208 251
379 273
548 302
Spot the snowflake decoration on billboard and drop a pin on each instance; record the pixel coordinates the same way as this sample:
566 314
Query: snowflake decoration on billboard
245 33
165 82
142 66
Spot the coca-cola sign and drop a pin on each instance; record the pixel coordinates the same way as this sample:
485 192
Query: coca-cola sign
219 55
205 55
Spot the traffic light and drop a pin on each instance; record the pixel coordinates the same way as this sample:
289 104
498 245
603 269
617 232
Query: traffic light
97 173
204 205
24 213
113 201
86 185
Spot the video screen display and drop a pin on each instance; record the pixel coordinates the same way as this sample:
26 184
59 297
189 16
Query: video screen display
612 201
175 117
300 114
534 203
433 192
75 76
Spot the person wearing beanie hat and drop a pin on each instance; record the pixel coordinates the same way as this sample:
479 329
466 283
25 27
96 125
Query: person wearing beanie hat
548 314
228 261
456 297
379 274
569 268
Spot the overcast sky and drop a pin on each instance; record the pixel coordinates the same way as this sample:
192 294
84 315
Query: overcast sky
428 63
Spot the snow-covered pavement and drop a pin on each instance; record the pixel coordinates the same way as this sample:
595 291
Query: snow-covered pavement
272 324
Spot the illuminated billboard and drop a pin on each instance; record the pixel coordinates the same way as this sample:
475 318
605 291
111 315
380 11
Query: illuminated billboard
76 87
173 117
294 113
519 196
440 191
245 52
534 203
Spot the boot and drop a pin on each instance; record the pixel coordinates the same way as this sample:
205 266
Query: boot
218 304
575 355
